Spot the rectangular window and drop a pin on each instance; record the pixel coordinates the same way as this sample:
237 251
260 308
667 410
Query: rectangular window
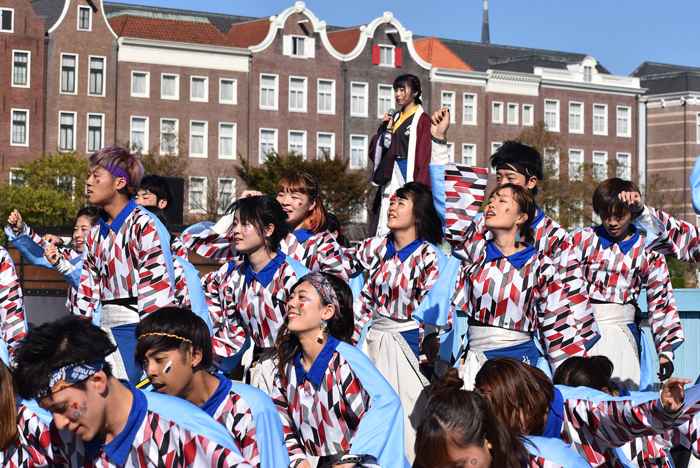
325 145
385 98
69 66
96 84
20 124
588 74
95 132
169 86
297 143
528 114
600 165
268 92
551 159
84 18
199 88
494 146
297 94
497 112
358 99
600 119
17 176
326 97
198 139
624 166
169 129
576 117
140 84
551 114
623 122
298 46
469 109
20 69
358 151
448 100
66 131
228 91
268 143
227 194
386 55
450 152
512 114
139 133
575 164
227 140
469 154
198 195
6 20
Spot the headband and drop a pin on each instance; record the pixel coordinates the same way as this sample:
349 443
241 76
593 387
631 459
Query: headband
117 171
70 375
514 166
168 335
324 288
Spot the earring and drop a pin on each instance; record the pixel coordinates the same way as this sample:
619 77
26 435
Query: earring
324 327
489 446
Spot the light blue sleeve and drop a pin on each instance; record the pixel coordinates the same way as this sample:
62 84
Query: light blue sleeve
556 451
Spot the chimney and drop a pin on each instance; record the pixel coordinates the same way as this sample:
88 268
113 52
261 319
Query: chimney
485 25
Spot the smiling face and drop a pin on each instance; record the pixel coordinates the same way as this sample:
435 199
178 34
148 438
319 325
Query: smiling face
169 371
502 212
473 456
618 227
305 309
297 206
80 230
80 410
403 95
246 237
102 186
400 214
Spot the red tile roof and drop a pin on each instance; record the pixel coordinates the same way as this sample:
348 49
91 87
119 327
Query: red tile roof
193 32
438 54
344 40
249 33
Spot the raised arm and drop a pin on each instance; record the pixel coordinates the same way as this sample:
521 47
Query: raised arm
213 241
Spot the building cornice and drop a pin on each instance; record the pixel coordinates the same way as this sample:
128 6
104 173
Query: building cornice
445 75
591 87
156 44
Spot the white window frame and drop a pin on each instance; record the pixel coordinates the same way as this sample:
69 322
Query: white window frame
464 146
581 120
629 122
205 146
222 208
530 122
26 127
451 151
204 195
628 167
13 176
75 133
77 26
605 169
206 88
393 55
306 44
555 154
576 175
364 139
147 94
331 154
558 115
75 79
605 119
495 145
87 131
233 101
587 73
12 30
318 95
29 68
261 156
474 120
104 75
177 87
452 107
176 131
304 109
276 92
146 136
493 114
516 107
365 96
234 145
304 153
380 115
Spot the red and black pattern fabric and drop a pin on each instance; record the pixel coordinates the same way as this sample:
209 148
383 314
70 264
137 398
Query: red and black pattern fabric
613 275
320 252
464 195
178 248
539 462
181 293
648 452
11 304
211 284
680 239
33 446
235 415
67 253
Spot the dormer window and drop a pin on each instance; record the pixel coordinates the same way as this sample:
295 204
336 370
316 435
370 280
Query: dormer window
84 18
6 20
386 56
298 46
587 73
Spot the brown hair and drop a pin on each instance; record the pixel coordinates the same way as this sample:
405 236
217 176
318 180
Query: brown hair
306 184
8 409
460 418
518 393
606 200
117 156
526 204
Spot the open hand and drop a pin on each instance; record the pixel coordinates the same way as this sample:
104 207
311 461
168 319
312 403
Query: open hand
672 394
633 201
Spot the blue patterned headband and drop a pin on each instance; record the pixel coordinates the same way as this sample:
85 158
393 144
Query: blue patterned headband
70 375
324 288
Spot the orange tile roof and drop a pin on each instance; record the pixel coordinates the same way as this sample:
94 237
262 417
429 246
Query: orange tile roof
193 32
344 40
433 51
249 33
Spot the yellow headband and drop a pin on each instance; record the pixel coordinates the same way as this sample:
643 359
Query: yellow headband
168 335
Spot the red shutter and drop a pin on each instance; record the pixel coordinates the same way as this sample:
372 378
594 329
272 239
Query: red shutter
398 57
375 55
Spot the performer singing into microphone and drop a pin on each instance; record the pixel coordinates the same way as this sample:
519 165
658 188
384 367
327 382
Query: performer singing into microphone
401 149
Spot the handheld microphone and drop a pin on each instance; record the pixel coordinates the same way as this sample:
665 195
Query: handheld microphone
387 129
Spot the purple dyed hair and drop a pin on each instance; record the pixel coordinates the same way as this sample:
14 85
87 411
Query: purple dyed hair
117 156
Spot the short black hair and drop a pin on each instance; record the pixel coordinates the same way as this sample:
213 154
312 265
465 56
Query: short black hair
91 212
334 225
580 371
260 212
413 82
525 155
158 186
69 340
606 200
428 223
177 322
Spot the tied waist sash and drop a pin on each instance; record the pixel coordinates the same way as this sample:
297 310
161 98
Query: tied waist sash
496 342
622 315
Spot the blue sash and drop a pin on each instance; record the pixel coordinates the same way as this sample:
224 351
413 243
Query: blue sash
646 381
526 352
435 307
4 353
555 451
40 412
198 302
30 250
695 185
125 337
555 417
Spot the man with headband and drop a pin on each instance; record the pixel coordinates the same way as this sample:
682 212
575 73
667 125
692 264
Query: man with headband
126 268
101 421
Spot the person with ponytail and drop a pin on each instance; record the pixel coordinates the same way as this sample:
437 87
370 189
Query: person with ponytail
457 429
512 290
336 408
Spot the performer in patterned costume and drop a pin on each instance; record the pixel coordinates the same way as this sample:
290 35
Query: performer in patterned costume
99 421
175 347
337 410
616 265
13 325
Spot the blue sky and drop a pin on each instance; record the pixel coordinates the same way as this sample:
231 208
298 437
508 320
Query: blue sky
620 34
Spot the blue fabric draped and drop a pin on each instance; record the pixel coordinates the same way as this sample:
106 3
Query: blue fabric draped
555 417
198 302
556 451
437 183
164 237
30 250
4 353
695 185
125 337
40 412
435 306
646 381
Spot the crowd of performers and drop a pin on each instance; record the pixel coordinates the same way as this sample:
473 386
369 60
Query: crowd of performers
521 348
